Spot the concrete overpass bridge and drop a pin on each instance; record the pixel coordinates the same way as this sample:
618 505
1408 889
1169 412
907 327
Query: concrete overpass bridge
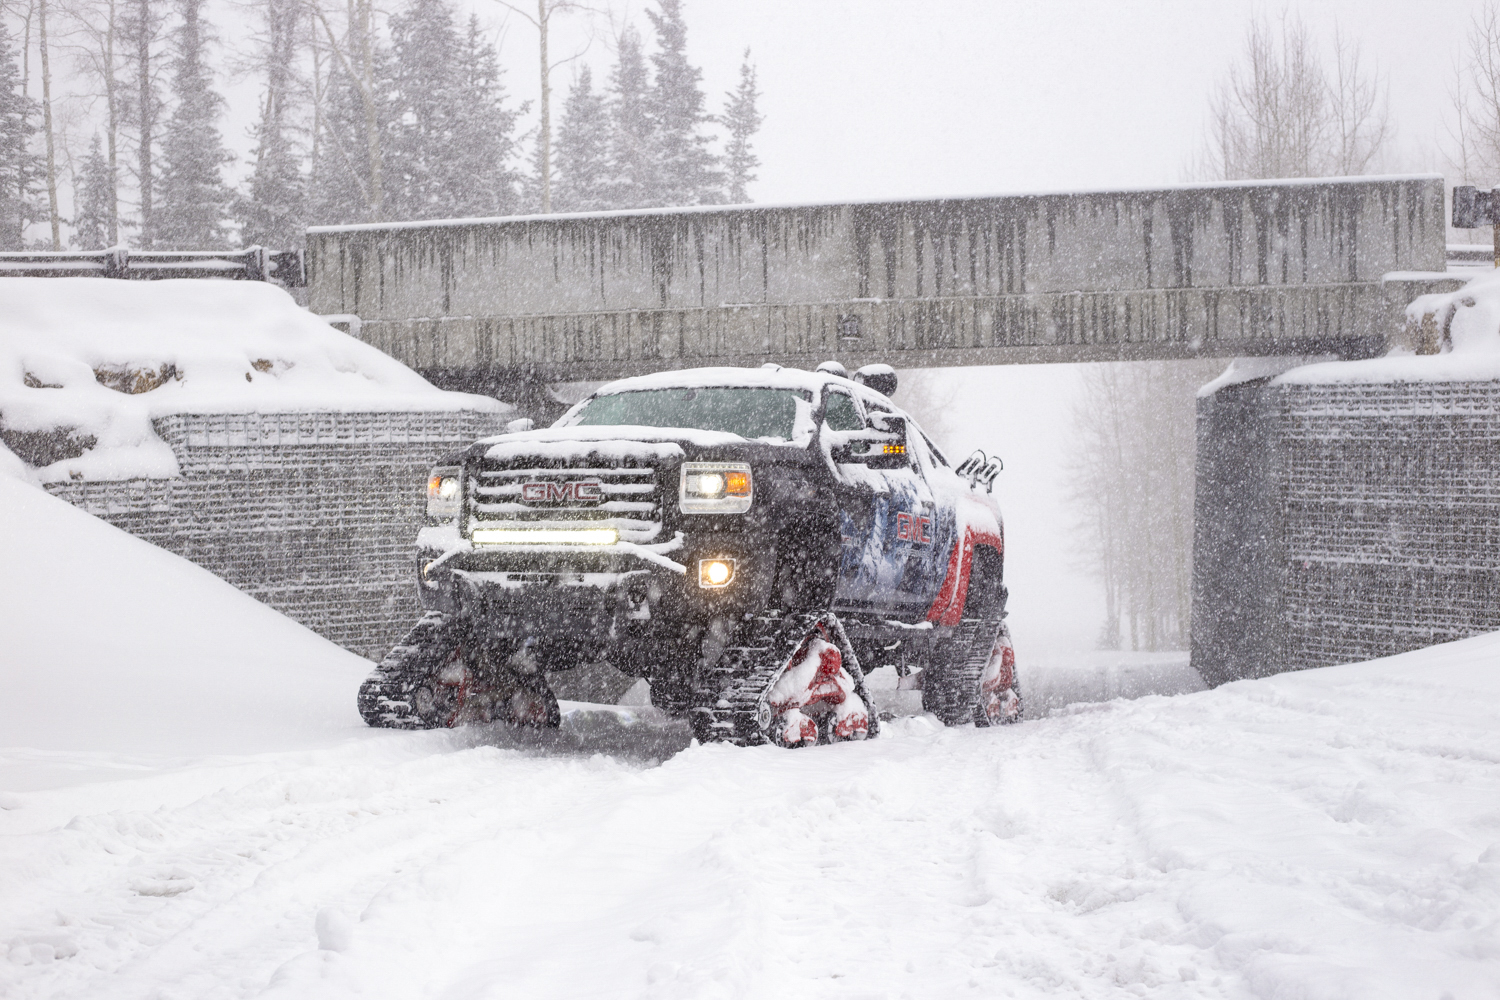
1240 269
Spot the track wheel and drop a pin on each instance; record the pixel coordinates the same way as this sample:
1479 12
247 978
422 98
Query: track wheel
999 691
519 693
816 699
439 700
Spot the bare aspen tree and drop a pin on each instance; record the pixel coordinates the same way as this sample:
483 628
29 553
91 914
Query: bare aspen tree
47 130
1279 113
354 52
542 22
1475 129
1358 110
1131 484
98 22
317 92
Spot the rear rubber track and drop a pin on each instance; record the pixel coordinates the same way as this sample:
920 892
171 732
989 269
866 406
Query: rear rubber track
951 688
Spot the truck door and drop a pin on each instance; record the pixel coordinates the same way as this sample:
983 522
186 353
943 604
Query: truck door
888 516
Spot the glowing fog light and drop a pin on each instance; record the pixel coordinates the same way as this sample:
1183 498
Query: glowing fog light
715 573
545 536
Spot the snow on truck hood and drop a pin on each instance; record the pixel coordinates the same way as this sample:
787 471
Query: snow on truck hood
647 443
98 358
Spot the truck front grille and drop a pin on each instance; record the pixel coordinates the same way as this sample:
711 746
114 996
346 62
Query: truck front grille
535 494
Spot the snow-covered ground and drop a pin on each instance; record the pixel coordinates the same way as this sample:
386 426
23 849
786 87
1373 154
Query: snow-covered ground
190 809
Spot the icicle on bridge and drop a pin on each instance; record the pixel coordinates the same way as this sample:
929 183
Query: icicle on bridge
1299 267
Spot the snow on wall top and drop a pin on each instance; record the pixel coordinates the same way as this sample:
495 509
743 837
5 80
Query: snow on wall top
1451 337
87 363
1286 182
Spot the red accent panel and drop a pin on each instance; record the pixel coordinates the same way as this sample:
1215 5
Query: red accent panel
948 607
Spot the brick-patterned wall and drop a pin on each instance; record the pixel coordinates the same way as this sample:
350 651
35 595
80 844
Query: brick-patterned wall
313 513
1377 517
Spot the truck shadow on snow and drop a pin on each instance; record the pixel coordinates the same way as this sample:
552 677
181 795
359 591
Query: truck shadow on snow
643 734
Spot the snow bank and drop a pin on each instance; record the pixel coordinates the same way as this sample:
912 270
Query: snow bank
1323 835
86 363
111 644
1452 337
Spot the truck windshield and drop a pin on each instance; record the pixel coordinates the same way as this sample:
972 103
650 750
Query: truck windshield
750 413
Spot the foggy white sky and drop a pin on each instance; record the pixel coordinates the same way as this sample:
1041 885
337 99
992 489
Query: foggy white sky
891 98
881 98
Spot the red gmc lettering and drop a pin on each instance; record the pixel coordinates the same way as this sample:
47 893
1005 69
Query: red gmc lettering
562 492
911 528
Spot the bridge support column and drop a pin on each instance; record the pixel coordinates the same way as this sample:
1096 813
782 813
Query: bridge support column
1238 536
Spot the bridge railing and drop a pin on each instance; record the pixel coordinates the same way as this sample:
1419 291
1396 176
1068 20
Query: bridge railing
284 267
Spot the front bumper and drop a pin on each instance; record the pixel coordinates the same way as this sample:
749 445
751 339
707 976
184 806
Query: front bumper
597 593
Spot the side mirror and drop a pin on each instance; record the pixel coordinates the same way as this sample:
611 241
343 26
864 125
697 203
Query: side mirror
883 446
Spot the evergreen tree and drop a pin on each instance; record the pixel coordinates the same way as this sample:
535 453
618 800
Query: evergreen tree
424 42
95 196
481 175
339 190
583 155
633 181
690 173
19 169
452 149
195 203
742 120
274 209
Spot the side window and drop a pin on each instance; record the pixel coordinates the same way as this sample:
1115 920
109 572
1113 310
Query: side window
932 450
920 447
840 414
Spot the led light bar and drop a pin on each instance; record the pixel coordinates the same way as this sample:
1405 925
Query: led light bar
545 536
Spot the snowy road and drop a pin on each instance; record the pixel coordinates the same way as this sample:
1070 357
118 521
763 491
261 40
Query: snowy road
1333 834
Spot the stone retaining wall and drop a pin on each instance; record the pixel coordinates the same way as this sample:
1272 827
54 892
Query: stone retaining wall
1340 522
313 513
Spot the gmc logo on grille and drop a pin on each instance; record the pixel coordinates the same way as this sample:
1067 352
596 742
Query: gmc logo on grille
576 492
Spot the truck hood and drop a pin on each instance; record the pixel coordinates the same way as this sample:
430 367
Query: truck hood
649 444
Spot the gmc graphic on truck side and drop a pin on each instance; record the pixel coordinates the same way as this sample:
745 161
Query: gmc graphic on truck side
749 540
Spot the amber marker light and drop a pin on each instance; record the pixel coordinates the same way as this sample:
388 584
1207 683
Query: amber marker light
715 573
737 484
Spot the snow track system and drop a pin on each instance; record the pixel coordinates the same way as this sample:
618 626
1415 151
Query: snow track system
974 679
792 681
433 679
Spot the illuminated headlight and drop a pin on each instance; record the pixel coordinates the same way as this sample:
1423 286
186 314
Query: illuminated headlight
716 488
715 573
545 536
442 494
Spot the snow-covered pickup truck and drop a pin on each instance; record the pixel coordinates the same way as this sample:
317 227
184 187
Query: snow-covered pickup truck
750 541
